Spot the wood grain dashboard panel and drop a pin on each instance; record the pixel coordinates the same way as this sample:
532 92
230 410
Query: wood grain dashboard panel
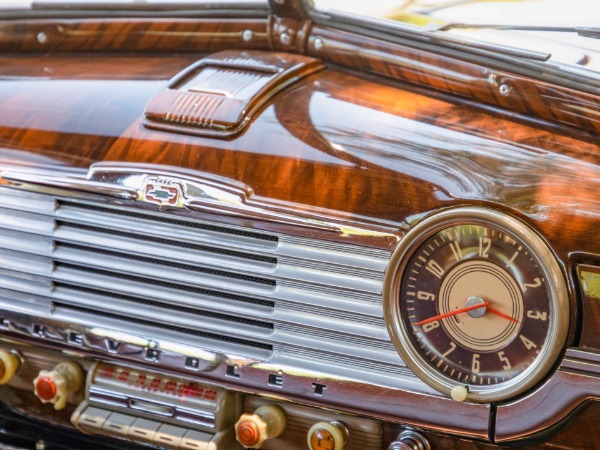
388 152
467 80
131 35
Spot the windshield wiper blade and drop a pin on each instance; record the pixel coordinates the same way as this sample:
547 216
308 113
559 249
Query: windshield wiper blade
506 50
591 32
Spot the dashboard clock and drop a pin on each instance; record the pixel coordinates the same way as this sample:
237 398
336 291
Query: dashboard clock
476 304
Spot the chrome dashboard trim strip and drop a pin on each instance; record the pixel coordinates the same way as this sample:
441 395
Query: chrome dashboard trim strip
170 187
236 372
70 182
576 382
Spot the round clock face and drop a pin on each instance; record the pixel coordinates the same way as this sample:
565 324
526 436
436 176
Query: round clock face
477 301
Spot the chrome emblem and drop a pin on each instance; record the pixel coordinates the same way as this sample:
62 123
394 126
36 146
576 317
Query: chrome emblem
163 192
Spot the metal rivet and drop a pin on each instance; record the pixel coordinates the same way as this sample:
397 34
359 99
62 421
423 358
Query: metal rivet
42 37
40 445
318 44
285 39
247 35
505 90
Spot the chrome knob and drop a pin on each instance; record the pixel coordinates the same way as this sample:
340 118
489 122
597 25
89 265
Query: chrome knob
410 440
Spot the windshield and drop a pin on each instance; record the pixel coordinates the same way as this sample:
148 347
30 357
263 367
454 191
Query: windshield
565 34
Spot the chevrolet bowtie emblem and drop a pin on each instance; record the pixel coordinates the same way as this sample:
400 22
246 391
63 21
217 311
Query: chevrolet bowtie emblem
163 192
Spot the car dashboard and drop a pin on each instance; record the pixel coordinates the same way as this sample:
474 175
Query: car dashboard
266 232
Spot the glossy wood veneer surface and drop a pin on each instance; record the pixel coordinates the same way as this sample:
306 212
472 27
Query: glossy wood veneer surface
333 141
577 111
581 433
68 110
130 35
465 79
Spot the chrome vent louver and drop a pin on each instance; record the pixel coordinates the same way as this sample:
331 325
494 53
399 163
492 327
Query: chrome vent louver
269 297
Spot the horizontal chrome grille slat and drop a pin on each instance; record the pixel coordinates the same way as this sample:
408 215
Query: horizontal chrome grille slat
24 296
285 249
303 323
167 271
329 298
366 297
27 202
210 256
178 314
309 251
179 329
201 340
249 307
292 343
363 368
37 287
344 331
26 263
154 267
214 300
150 245
99 278
26 222
328 312
175 318
164 226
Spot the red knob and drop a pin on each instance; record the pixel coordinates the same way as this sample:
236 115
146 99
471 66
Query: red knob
54 386
45 388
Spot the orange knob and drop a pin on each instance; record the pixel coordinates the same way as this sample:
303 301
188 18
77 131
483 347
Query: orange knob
327 436
322 440
247 433
267 422
10 363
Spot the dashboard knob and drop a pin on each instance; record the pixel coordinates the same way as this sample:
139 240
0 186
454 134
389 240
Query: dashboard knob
54 386
410 440
9 364
327 436
267 422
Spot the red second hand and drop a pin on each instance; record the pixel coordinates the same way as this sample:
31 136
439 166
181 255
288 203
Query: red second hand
450 314
501 314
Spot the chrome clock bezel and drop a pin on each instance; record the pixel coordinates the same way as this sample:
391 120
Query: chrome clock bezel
558 298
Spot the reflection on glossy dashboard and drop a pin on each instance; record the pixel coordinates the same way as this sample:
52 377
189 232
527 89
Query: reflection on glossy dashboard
265 228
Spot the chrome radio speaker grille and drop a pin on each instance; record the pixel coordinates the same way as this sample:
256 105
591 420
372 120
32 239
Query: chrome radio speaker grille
266 297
